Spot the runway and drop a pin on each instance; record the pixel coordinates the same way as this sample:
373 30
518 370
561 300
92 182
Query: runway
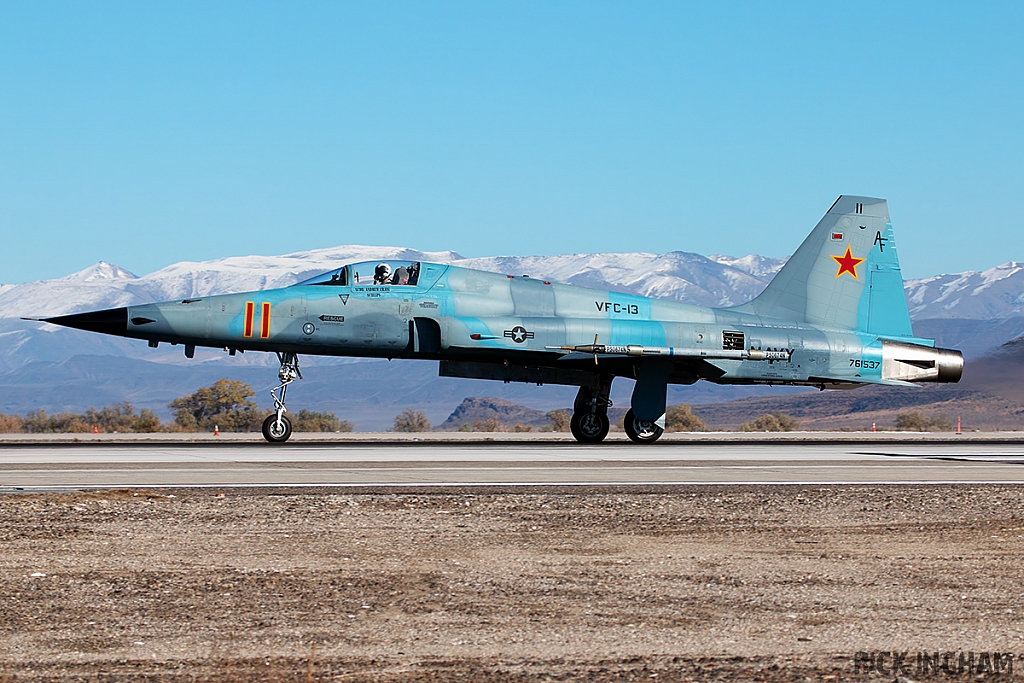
503 464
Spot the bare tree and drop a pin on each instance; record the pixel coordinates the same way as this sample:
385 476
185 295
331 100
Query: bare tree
410 420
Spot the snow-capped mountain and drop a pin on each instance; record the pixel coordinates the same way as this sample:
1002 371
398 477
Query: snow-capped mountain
101 272
994 293
56 368
679 275
683 276
712 281
104 285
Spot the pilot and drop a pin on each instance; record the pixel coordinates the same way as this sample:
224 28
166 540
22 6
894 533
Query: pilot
381 273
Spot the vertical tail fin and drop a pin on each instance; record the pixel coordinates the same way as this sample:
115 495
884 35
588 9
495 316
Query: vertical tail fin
845 275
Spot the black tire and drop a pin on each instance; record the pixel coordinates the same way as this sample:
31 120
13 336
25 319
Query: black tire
274 432
641 431
588 427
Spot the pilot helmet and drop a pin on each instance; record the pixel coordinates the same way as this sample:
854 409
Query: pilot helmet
382 271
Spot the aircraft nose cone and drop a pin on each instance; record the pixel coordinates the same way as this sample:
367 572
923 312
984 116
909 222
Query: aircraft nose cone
110 321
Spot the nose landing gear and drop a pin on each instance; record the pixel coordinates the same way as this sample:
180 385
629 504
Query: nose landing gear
277 428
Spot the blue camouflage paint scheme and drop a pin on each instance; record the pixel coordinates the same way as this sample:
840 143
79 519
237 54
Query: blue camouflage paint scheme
826 320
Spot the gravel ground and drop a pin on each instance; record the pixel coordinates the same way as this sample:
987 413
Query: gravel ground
709 583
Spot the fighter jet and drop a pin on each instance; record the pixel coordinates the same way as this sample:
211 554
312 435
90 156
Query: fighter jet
835 316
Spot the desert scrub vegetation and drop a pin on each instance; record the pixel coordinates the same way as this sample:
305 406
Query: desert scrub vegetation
120 418
771 422
916 421
225 404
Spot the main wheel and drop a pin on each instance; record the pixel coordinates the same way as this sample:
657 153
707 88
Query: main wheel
276 431
588 427
641 431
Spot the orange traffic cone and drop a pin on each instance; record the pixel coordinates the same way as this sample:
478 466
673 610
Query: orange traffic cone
873 428
216 430
95 429
958 425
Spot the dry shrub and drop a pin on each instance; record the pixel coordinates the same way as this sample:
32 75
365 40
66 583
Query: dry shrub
311 421
679 418
916 421
559 420
410 420
11 424
771 422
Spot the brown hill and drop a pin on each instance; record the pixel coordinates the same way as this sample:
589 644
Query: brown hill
480 409
858 408
1000 373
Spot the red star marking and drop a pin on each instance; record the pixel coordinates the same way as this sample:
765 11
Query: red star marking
848 263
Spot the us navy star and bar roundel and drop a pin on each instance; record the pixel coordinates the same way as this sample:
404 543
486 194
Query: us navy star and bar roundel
250 310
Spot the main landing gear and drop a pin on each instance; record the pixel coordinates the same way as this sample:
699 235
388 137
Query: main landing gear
589 423
641 431
277 428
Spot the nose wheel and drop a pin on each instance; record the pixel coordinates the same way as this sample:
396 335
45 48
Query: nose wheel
277 428
641 431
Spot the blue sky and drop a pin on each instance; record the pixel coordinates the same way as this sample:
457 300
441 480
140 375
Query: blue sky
145 133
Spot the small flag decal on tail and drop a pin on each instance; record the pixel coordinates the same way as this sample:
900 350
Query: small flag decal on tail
837 237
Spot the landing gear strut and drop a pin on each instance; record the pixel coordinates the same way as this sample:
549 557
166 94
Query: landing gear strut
589 423
277 428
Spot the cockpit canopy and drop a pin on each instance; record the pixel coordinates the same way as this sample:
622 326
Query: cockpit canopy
368 273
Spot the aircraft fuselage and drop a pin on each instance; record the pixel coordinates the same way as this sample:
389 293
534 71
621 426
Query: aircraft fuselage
463 315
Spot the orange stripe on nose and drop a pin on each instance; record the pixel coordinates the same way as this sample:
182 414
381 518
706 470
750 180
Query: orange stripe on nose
249 311
265 322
